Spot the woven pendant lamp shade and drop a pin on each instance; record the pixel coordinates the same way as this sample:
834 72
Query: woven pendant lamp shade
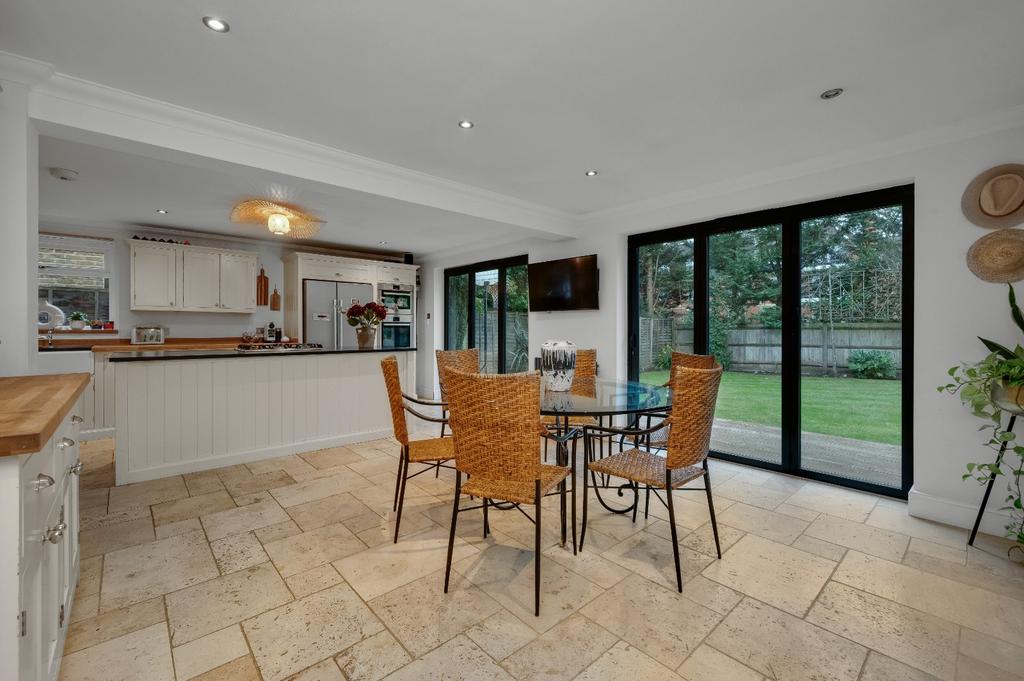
258 212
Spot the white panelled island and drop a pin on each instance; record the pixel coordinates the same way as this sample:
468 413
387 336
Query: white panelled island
180 411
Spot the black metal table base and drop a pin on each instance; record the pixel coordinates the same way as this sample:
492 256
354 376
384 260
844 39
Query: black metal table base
991 482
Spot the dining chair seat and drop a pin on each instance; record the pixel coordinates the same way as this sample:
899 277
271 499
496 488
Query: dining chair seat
433 449
574 421
519 492
646 468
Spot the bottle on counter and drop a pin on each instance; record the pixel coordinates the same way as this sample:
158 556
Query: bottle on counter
271 334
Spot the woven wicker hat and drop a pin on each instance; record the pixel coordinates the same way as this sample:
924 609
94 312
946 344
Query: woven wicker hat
995 199
998 257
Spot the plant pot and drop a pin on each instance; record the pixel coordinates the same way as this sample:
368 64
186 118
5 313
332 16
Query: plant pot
558 364
1009 398
77 324
365 336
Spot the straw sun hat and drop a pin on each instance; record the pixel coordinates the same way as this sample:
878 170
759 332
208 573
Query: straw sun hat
995 198
998 257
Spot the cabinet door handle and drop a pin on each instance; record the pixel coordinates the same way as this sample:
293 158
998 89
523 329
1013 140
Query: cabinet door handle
75 418
65 442
54 534
76 468
43 481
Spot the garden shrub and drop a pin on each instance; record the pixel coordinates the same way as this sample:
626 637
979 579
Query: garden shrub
872 364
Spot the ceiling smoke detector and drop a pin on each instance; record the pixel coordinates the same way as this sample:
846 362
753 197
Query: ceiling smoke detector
64 174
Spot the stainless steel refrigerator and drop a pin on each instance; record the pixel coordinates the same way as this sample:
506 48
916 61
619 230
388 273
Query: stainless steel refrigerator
324 305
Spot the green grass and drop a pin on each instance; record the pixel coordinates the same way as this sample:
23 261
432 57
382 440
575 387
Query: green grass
861 409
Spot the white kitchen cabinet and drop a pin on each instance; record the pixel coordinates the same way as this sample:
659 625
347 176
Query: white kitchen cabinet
237 282
396 274
155 269
200 279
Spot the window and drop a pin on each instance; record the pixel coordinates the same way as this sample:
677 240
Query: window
486 307
75 274
808 309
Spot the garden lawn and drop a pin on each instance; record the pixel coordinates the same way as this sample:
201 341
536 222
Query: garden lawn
857 408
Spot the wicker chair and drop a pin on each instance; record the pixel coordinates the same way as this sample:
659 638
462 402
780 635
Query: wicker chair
434 451
495 419
659 439
689 437
463 360
583 380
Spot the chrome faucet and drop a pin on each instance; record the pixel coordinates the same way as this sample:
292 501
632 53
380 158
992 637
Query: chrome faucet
49 338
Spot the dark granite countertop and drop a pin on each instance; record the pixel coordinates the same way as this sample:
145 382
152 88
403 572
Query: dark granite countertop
152 355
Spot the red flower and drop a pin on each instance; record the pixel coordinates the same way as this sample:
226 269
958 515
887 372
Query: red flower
356 310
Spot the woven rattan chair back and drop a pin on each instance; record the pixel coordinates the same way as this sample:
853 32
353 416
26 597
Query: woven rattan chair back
586 364
685 359
462 360
695 392
495 420
389 366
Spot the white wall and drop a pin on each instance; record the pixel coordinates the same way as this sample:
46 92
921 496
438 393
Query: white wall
952 307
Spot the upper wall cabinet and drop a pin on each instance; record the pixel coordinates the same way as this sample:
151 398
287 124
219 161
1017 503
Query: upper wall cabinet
192 278
396 274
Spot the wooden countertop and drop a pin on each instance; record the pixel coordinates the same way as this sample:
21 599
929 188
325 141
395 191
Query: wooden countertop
176 345
31 408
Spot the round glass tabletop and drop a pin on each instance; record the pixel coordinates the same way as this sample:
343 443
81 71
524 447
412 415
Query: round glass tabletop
604 397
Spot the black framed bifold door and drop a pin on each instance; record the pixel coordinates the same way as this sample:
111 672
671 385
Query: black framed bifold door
809 310
486 307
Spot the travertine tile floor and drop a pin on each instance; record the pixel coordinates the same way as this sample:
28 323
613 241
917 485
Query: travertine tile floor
284 569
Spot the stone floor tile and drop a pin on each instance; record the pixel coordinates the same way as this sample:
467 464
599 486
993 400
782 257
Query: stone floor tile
89 632
896 519
562 652
971 669
777 527
989 572
191 507
202 482
422 616
651 556
457 660
388 566
774 573
327 511
702 540
90 571
239 669
139 573
318 488
661 622
881 668
501 634
143 654
237 552
296 635
781 646
209 652
384 530
305 551
588 564
97 516
970 606
311 581
331 458
623 661
218 603
147 493
291 464
826 550
90 499
1000 654
260 483
277 531
109 538
949 554
844 503
240 520
708 664
750 493
797 512
912 637
84 607
180 527
326 670
713 595
372 658
864 538
506 573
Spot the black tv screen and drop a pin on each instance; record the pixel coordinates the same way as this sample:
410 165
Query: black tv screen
569 284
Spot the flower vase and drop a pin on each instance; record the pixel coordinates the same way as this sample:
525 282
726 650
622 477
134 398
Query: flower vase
558 364
365 336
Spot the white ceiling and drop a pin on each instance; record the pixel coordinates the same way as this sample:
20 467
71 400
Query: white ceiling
119 190
659 95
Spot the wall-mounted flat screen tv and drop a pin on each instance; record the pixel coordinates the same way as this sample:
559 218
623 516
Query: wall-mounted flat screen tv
569 284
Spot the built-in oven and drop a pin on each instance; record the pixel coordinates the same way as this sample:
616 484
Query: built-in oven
396 332
397 298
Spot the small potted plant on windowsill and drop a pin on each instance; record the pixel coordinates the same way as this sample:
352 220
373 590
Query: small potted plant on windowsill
78 320
366 318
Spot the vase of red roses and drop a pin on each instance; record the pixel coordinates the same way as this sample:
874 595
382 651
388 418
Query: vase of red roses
366 318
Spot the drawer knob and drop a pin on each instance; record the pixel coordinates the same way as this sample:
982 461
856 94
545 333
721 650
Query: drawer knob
76 468
65 442
77 419
54 534
43 481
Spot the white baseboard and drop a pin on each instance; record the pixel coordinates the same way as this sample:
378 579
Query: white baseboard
930 507
96 434
194 465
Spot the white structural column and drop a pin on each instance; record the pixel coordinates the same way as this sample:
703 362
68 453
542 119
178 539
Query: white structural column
19 196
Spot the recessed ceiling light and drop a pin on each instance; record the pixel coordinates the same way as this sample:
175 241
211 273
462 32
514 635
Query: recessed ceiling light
590 173
215 24
831 94
65 174
161 211
465 125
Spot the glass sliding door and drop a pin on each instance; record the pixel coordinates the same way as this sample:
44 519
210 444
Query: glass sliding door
851 317
486 308
745 336
808 309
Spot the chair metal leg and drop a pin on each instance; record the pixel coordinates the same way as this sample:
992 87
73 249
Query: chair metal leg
672 523
536 555
586 488
711 507
647 503
437 471
573 500
636 499
401 496
451 532
487 527
546 450
561 501
398 478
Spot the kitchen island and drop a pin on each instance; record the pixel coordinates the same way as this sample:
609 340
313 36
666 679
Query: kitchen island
185 411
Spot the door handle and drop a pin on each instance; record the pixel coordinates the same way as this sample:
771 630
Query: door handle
43 481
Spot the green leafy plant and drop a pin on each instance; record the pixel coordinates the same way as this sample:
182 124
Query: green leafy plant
78 317
973 384
664 358
872 364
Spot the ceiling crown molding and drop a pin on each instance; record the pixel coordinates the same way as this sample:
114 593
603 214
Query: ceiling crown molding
77 104
29 72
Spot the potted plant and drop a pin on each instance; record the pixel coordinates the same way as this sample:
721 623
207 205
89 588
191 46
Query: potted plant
993 389
78 320
366 318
